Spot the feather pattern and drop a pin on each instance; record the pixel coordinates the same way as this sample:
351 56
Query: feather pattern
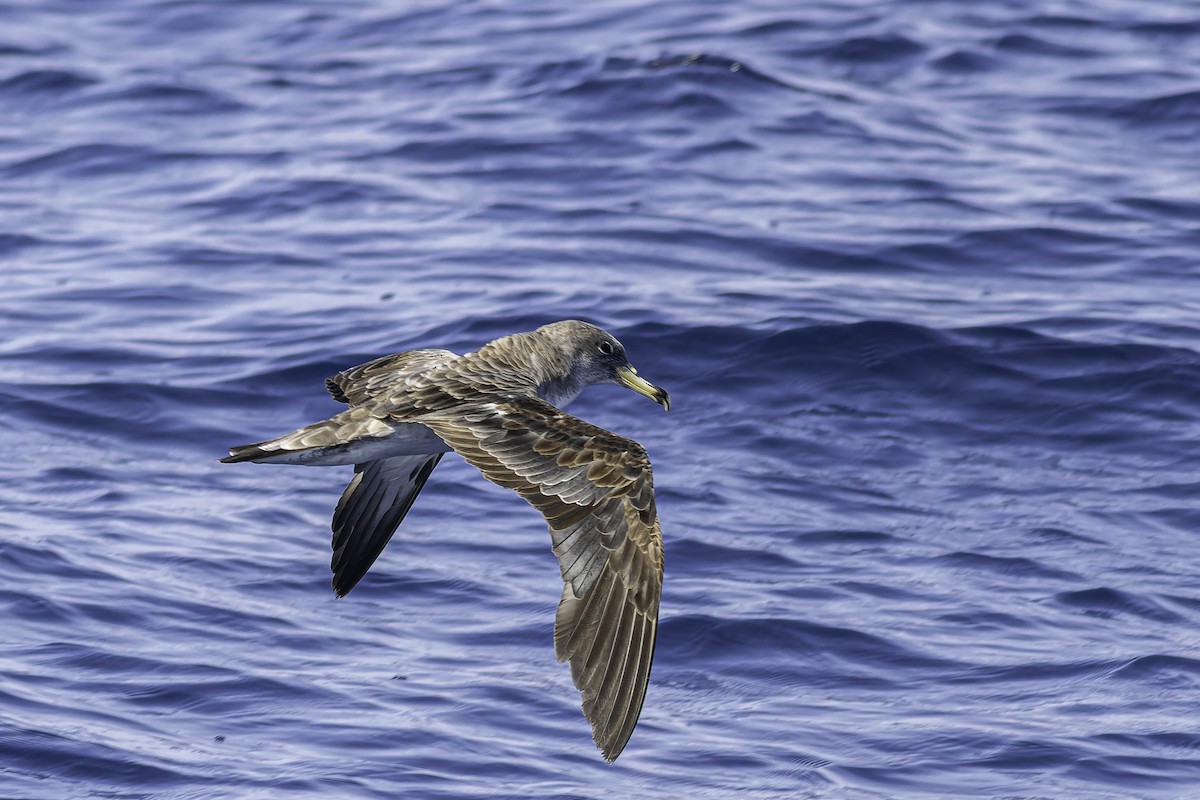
384 375
496 407
605 533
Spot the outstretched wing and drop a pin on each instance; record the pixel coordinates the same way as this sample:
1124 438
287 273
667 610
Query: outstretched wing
597 493
372 507
385 374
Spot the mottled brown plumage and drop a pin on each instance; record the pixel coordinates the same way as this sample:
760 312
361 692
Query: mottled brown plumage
496 408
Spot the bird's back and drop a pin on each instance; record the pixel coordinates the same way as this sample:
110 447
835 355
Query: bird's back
384 375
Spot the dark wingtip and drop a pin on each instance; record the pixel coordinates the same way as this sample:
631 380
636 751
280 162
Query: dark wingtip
342 584
614 747
333 385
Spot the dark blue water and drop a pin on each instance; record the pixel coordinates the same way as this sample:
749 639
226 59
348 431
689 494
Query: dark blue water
921 278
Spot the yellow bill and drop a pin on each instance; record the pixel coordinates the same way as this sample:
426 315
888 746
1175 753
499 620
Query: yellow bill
629 378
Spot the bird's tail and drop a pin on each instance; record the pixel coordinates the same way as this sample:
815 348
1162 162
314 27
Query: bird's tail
325 443
261 452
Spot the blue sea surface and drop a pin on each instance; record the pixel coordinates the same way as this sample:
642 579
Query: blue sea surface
920 276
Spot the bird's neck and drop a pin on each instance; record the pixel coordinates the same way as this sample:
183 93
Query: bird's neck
560 392
535 367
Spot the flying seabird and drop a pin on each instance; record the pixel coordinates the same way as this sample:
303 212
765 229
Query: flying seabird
499 408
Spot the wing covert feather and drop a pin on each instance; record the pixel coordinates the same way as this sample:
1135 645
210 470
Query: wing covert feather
385 374
596 492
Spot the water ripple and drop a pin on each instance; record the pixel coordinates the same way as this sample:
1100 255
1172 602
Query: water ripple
921 287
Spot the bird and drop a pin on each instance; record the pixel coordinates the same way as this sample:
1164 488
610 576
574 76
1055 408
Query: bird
500 409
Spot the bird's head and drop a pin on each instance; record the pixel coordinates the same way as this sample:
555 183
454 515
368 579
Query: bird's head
597 357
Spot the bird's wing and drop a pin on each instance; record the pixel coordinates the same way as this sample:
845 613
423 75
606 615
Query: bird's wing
597 493
385 374
371 508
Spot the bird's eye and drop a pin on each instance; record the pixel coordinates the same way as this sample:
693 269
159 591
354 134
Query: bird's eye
606 348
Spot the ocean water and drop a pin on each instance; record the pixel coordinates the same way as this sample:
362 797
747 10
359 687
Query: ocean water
921 278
